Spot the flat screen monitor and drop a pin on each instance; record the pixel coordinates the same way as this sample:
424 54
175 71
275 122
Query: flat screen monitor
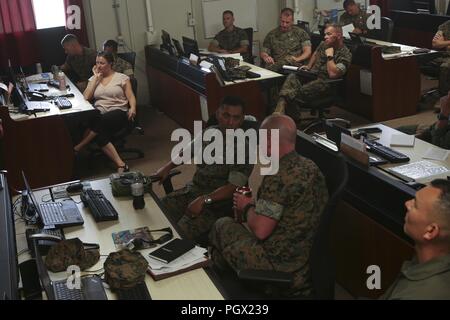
424 6
190 47
167 42
9 275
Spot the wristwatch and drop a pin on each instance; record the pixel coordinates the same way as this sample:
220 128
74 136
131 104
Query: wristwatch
443 117
330 58
208 200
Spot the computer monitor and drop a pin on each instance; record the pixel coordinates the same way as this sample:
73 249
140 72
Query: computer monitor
178 47
190 47
9 275
167 42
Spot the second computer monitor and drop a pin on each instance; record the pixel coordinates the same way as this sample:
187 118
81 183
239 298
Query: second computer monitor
167 42
190 47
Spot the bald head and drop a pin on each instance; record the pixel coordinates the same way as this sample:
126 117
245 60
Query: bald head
286 126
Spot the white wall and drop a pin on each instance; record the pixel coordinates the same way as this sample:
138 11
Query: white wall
172 16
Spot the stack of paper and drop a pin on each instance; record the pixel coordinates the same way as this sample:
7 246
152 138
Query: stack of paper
193 259
402 140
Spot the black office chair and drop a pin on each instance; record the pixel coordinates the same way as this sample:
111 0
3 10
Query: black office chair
321 106
321 262
128 57
250 58
385 34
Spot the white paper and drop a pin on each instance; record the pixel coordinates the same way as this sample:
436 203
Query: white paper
402 140
437 154
186 259
347 29
420 170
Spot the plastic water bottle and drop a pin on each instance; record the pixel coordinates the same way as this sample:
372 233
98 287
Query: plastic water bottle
62 81
137 190
55 72
38 68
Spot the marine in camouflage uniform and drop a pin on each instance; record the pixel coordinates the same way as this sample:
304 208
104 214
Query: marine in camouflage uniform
231 40
295 198
443 61
82 65
297 93
122 66
282 46
207 179
359 20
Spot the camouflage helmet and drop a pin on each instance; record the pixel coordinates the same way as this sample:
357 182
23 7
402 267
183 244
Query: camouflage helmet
121 183
125 269
71 253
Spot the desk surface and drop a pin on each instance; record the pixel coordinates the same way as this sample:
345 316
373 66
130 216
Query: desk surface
415 153
192 285
79 104
265 74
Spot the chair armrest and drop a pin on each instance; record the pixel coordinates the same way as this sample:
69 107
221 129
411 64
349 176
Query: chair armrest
266 276
167 184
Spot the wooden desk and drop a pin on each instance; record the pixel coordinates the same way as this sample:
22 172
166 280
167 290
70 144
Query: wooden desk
192 285
41 145
188 93
368 224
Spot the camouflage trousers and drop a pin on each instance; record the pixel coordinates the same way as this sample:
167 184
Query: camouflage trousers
196 228
443 63
232 245
296 93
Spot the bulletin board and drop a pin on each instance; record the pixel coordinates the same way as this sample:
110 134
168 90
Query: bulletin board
245 14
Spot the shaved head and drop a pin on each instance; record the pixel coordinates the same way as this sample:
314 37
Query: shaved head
286 126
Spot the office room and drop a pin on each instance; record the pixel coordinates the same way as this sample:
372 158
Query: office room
191 150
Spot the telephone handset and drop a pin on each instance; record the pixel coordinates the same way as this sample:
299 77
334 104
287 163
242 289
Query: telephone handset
36 96
45 236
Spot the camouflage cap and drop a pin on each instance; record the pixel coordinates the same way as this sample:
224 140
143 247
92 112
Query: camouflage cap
125 269
71 253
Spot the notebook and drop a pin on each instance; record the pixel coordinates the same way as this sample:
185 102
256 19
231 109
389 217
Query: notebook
172 250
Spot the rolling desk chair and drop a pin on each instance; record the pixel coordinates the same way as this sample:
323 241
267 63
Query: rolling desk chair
335 171
128 57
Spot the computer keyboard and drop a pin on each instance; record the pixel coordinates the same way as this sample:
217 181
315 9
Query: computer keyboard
63 103
138 292
386 152
100 207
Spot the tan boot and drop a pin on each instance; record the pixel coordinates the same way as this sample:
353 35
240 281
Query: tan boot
281 107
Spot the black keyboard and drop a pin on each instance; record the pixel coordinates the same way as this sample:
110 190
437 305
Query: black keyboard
63 103
386 152
138 292
100 207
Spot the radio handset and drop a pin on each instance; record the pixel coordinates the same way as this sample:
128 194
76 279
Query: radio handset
45 236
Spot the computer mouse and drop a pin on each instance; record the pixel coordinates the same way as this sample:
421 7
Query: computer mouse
73 188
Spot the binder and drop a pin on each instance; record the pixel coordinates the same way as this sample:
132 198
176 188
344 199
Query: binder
172 250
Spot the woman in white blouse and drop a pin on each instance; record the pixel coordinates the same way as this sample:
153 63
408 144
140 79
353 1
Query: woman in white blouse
116 103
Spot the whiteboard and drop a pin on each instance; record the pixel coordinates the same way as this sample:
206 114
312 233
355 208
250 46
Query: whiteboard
245 14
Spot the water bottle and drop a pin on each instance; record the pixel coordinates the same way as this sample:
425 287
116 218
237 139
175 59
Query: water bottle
137 190
62 81
38 68
55 72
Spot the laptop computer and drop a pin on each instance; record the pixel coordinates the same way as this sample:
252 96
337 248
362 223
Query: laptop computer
55 215
91 288
37 87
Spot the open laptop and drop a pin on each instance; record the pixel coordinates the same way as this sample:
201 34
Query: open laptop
91 287
37 87
55 215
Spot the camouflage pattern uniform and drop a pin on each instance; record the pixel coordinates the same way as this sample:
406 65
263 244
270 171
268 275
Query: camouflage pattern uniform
281 46
295 198
82 65
231 40
359 21
443 61
293 89
122 66
206 180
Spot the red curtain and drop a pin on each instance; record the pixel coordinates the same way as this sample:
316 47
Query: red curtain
82 32
18 38
384 5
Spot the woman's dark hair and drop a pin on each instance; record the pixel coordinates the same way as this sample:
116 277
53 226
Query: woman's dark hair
108 56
